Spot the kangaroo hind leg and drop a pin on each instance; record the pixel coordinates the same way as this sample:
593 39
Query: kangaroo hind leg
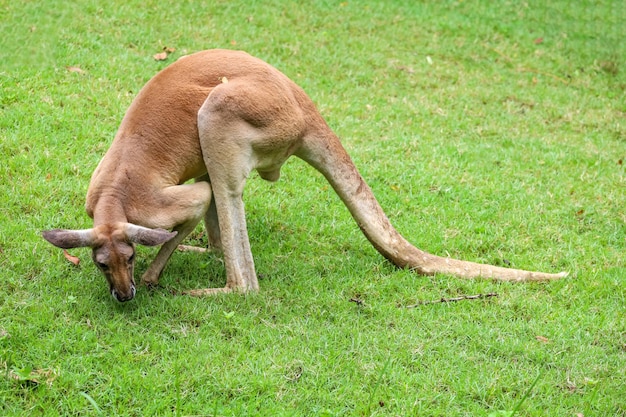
243 127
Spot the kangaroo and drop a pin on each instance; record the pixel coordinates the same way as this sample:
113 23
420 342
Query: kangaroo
214 117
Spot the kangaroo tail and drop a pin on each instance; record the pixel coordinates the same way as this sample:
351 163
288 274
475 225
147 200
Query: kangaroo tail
327 155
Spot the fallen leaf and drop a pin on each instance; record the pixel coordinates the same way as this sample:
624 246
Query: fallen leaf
620 162
161 56
169 49
538 41
71 258
77 70
542 339
33 376
224 80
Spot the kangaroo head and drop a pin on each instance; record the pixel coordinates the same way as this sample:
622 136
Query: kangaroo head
113 250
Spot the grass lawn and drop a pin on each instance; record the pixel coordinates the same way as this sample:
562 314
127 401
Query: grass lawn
489 131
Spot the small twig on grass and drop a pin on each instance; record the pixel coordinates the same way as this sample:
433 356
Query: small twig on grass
506 57
451 300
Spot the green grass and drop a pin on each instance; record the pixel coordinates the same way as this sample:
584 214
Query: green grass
489 131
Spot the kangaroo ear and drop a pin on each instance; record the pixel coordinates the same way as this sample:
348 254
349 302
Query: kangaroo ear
147 237
67 239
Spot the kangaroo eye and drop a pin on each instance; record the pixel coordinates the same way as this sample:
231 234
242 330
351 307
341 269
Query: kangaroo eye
131 259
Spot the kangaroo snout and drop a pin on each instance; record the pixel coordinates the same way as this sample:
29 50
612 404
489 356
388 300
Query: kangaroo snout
123 296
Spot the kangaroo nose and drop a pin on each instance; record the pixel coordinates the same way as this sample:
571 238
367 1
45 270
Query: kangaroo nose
123 298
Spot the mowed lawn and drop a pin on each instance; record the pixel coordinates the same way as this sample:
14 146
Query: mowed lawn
489 131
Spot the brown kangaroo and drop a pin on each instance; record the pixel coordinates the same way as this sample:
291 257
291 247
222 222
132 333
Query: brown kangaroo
213 117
